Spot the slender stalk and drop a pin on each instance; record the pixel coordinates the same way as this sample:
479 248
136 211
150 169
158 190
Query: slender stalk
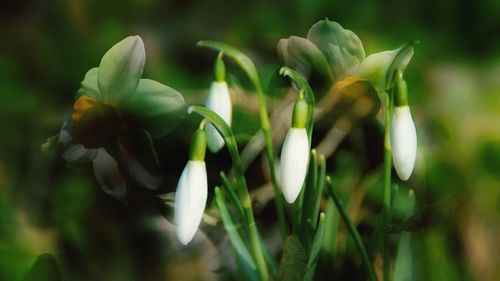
387 183
244 195
352 230
250 220
266 129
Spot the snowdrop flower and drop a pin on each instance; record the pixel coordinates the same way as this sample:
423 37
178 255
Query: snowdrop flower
113 108
295 153
403 134
191 194
218 100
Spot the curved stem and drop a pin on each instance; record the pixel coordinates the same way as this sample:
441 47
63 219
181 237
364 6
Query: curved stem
352 230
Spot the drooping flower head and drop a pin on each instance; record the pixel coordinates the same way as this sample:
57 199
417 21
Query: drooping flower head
191 193
113 108
219 101
295 153
403 133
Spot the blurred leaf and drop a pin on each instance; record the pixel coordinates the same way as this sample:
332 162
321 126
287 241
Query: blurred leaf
294 261
45 268
342 47
404 265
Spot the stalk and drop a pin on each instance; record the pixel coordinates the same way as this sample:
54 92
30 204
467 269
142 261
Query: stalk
387 182
352 230
244 195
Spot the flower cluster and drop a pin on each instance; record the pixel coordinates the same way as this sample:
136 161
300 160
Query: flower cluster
114 107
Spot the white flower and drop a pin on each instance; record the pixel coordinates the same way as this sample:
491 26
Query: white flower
294 161
403 141
219 101
190 200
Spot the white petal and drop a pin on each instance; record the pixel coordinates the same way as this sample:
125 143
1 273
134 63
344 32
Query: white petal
403 141
73 152
108 175
190 200
121 69
294 161
218 100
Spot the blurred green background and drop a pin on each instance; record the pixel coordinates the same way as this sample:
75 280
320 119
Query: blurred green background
46 207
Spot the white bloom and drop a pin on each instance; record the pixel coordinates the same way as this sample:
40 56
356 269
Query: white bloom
294 160
219 101
403 141
190 200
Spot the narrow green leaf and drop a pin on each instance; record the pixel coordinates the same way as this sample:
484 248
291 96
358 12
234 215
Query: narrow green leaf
352 230
404 265
241 59
316 248
294 261
232 193
307 226
232 230
319 188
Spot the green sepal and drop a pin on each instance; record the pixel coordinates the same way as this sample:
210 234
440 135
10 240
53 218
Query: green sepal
198 145
219 69
300 113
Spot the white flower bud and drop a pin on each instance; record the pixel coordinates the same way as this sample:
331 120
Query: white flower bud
190 200
403 141
219 101
294 161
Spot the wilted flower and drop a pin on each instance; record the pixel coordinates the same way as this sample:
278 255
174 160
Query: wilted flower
191 194
218 100
295 153
113 106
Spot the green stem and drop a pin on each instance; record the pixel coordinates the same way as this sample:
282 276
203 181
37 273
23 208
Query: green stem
244 195
266 129
352 230
387 183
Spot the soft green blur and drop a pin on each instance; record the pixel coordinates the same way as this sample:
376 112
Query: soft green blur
48 207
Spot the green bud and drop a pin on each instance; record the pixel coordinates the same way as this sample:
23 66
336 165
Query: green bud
300 112
198 145
219 69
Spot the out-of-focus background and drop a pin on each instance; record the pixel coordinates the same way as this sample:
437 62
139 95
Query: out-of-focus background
47 207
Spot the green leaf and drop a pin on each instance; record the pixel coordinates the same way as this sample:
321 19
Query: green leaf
232 230
241 59
315 249
302 55
306 225
121 69
341 47
380 68
155 107
294 261
89 85
232 193
45 268
404 265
